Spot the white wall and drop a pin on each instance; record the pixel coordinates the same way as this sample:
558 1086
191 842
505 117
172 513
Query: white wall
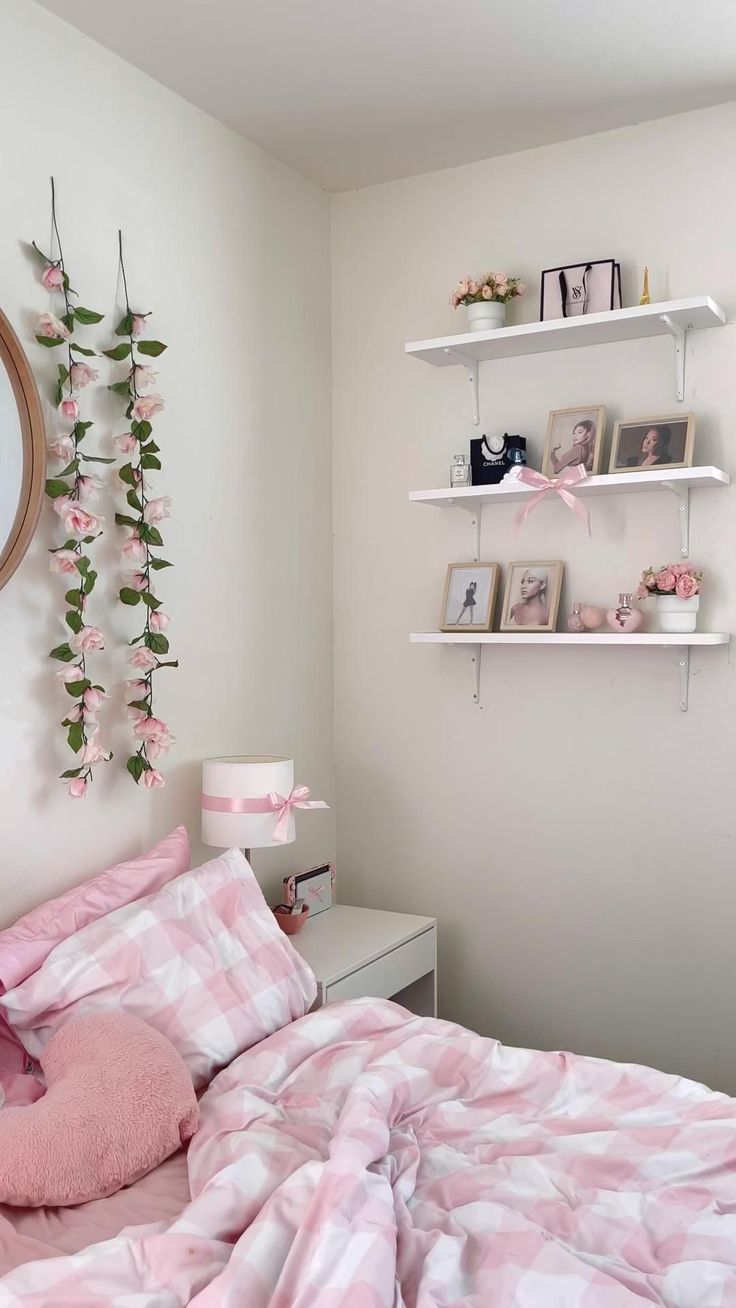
231 250
575 837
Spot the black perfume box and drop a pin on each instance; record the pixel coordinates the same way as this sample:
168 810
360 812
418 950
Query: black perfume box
492 456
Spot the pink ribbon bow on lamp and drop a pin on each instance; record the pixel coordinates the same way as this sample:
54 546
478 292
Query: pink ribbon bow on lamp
561 486
282 805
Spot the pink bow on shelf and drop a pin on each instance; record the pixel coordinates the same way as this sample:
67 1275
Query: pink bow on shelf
561 486
281 805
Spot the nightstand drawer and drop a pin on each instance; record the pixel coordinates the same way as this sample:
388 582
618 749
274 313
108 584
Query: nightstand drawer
386 975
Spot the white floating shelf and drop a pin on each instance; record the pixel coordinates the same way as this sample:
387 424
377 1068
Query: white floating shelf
567 638
673 318
508 492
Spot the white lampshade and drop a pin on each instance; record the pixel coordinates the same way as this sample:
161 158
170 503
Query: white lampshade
243 778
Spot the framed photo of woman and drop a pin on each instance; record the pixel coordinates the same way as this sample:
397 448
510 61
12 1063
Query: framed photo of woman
470 597
532 596
574 436
653 443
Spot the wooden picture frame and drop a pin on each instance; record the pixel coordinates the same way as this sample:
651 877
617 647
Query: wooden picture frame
33 438
460 598
562 425
676 434
545 597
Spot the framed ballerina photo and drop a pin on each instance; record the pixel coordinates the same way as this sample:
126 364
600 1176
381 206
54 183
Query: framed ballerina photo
532 596
574 436
653 443
470 597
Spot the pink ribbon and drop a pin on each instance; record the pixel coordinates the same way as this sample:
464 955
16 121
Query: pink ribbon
561 486
281 805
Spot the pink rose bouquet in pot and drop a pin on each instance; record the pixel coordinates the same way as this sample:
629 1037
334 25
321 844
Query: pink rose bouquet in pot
485 299
675 589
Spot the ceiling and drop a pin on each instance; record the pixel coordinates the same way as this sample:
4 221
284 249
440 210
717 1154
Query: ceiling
353 92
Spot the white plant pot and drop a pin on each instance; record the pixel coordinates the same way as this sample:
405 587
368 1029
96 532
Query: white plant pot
486 316
677 616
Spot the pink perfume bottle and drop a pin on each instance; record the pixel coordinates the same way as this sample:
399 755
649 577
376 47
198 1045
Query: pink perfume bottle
575 621
624 618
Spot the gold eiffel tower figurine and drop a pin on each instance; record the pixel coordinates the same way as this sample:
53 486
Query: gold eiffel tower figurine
645 296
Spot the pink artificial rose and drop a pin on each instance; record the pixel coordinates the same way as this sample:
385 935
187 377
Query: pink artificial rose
134 548
82 375
93 699
156 734
137 689
156 510
665 580
50 326
462 287
76 520
65 563
70 672
487 293
77 788
61 447
137 581
152 777
94 753
88 487
139 325
159 621
500 277
88 639
682 569
69 409
686 586
143 659
52 277
136 715
125 443
144 376
641 591
520 288
473 288
146 407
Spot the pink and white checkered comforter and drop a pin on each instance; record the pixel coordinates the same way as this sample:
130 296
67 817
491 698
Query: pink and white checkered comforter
365 1158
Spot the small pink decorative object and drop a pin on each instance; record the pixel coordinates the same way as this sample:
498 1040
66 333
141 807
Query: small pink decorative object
290 923
592 617
119 1101
575 621
624 619
562 486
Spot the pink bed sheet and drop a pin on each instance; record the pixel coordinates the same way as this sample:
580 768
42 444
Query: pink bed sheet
365 1158
153 1203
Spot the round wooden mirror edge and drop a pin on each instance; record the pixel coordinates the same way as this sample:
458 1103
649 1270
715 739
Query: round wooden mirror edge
33 435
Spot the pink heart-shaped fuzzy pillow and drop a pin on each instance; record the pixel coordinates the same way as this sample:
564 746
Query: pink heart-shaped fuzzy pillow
119 1101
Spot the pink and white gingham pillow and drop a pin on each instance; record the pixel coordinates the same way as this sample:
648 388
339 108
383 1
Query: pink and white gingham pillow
203 960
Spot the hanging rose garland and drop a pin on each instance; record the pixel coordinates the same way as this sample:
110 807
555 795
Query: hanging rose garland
69 490
152 734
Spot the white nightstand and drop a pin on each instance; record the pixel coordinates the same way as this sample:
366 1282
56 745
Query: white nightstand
356 952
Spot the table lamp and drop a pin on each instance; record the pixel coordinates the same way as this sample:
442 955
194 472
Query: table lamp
248 800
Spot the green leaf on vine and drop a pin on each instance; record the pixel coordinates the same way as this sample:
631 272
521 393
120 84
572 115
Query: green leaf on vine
69 469
158 564
74 598
87 316
55 488
144 430
75 737
150 461
77 688
82 349
153 348
68 545
95 458
127 474
63 653
50 342
141 704
82 564
156 643
120 388
81 429
70 772
133 501
63 373
89 581
172 663
130 596
150 448
136 767
74 620
123 520
125 326
119 351
68 321
39 254
88 539
149 535
151 601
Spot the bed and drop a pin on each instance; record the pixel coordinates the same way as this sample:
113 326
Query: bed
362 1157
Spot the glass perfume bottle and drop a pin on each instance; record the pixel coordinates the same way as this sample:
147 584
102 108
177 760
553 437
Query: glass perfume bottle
624 618
575 621
459 471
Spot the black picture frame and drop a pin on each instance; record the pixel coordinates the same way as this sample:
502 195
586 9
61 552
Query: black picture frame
587 263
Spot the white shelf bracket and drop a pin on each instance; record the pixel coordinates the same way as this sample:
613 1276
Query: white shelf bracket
684 656
682 495
476 658
472 367
678 335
